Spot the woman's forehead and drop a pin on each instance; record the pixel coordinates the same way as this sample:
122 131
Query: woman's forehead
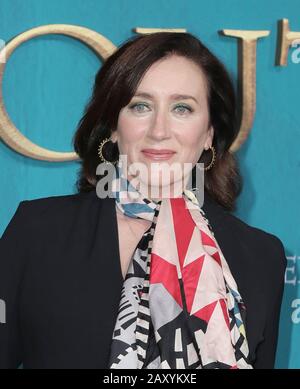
172 76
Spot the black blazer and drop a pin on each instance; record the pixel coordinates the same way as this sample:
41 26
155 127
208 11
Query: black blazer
61 280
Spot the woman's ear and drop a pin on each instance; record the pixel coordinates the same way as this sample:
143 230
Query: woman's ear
209 139
114 136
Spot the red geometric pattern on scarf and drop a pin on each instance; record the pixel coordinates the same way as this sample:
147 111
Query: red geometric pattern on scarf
165 273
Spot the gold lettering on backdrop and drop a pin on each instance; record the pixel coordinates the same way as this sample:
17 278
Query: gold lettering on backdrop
8 131
284 40
246 80
104 48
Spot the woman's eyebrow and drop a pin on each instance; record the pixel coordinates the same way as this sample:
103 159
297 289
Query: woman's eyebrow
174 96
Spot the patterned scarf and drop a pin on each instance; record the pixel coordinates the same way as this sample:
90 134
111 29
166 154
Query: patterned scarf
179 307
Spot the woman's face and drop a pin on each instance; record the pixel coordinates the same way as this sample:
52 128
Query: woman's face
169 111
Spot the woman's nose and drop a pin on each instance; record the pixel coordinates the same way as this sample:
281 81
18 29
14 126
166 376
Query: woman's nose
160 126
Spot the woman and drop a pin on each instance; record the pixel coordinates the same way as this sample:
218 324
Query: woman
137 279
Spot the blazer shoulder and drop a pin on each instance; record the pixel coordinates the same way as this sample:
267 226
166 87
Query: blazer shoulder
258 234
57 205
44 202
261 243
47 214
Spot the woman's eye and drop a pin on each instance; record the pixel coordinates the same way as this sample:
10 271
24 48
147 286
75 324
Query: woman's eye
143 107
138 107
183 109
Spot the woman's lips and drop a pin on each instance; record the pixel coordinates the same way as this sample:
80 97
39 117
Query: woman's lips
158 155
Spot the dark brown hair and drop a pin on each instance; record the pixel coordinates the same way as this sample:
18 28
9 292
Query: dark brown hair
115 85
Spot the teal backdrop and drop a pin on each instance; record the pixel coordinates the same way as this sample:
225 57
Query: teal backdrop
48 81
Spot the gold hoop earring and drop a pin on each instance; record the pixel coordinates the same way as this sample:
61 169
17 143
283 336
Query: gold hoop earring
100 148
212 160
